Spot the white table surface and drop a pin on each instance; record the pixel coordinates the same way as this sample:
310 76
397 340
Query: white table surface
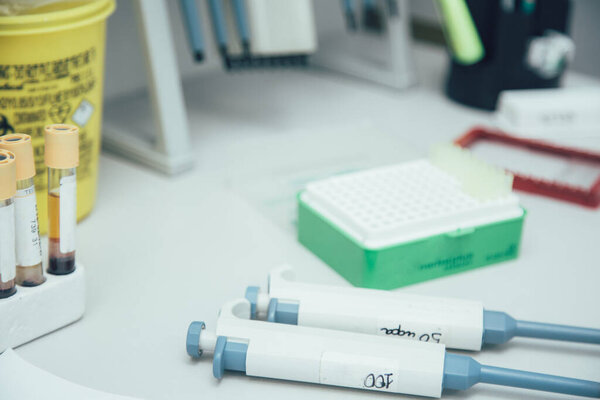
161 252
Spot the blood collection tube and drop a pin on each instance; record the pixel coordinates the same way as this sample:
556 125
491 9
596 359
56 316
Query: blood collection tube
62 157
8 188
28 247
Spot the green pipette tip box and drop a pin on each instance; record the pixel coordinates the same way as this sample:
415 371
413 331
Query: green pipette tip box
394 226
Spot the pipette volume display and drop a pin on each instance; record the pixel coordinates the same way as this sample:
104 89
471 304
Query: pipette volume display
459 324
353 360
28 245
8 188
62 158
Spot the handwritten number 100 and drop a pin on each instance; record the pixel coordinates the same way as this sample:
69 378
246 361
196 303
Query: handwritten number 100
378 381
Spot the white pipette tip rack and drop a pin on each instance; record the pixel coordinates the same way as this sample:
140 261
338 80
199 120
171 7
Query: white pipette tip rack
463 208
35 311
410 201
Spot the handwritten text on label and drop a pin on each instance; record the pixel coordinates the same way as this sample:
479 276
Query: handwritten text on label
422 336
382 381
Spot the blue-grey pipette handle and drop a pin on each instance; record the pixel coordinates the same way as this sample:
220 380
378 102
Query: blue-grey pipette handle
499 327
462 372
241 21
218 18
369 4
350 12
194 27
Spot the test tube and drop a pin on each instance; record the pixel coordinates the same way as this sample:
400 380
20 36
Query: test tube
62 157
8 188
28 246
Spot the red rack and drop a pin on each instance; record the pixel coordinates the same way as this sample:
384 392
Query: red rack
589 197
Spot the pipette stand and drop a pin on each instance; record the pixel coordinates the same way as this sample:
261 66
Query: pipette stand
169 151
35 311
385 59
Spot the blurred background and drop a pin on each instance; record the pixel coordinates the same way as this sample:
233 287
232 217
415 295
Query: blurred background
426 29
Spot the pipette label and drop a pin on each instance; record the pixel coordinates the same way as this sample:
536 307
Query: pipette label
414 330
360 371
67 214
29 249
7 244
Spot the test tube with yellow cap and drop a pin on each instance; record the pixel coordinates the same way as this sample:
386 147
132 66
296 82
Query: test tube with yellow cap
28 246
8 188
62 157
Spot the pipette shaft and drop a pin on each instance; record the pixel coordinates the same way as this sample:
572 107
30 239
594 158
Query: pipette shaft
462 372
500 327
219 27
194 27
242 24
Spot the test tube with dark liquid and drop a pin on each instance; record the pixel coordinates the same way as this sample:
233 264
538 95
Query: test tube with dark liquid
62 158
8 188
27 234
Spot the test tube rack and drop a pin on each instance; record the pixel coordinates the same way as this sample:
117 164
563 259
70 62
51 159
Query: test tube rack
35 311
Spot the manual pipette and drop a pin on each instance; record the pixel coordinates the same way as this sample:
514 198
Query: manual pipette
353 360
459 324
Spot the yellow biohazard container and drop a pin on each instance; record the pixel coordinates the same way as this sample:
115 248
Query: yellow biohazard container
51 72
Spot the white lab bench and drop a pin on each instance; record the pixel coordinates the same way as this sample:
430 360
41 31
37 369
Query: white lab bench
161 252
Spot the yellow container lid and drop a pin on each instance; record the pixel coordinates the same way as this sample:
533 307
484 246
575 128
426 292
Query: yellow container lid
56 17
20 145
8 175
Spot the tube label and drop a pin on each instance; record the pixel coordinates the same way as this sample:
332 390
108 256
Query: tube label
28 246
68 213
7 243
